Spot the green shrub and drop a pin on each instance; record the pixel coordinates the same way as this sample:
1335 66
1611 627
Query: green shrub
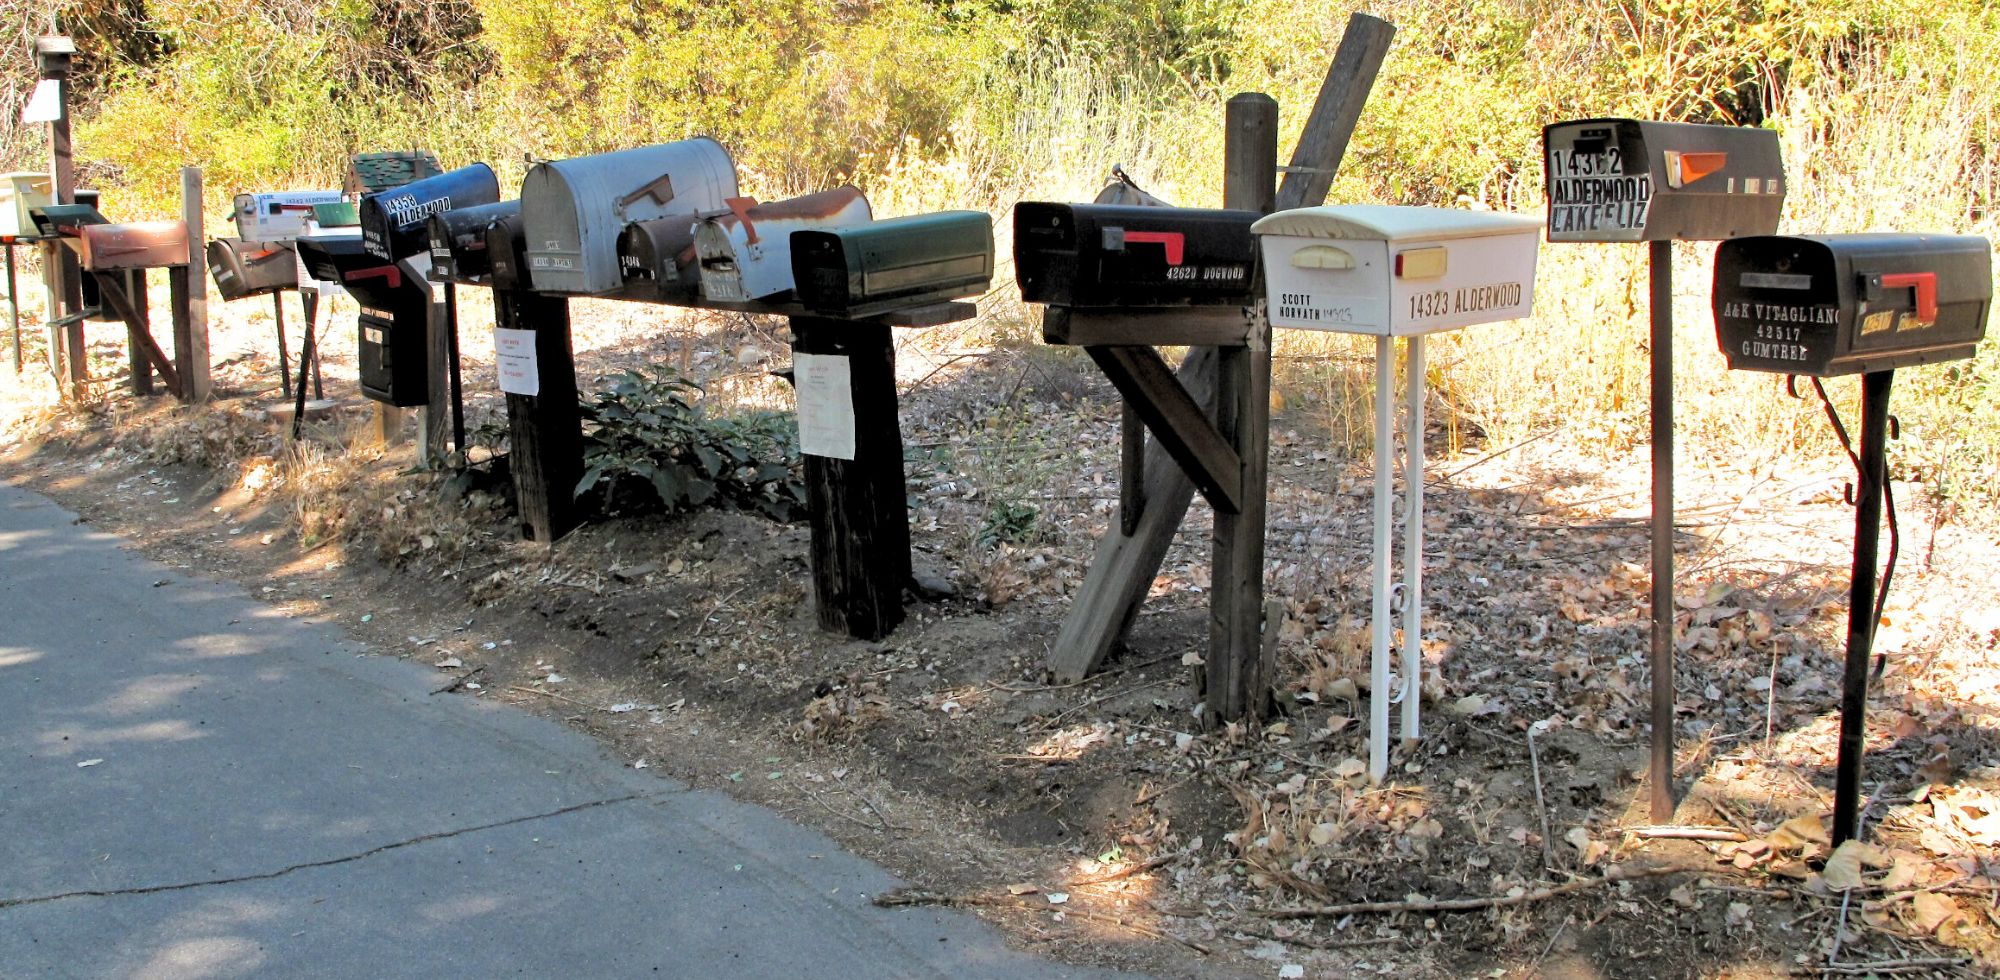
649 446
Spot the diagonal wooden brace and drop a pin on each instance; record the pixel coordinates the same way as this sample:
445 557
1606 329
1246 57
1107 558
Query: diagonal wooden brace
1177 421
113 291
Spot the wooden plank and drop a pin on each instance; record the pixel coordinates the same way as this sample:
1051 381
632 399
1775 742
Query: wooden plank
1131 469
139 365
1122 572
191 335
284 355
136 328
545 429
435 414
860 518
1335 113
1176 420
1198 326
1236 683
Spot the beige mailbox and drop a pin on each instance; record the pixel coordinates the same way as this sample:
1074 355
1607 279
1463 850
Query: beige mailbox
18 193
1396 272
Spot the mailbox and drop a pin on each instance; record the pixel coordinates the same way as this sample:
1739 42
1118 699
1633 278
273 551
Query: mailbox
371 172
137 245
1396 271
65 220
335 214
394 223
18 193
1121 255
458 242
277 216
1827 305
507 250
658 257
572 211
246 268
747 253
870 269
1633 180
393 352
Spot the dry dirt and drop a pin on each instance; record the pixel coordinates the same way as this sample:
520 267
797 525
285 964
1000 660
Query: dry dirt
688 646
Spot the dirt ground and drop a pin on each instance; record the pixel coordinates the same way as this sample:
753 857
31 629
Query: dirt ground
1101 822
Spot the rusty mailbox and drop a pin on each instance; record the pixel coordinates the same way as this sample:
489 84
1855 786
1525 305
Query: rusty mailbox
20 192
1635 180
1121 255
395 222
395 308
1826 305
136 245
277 216
573 211
458 242
746 254
900 263
246 268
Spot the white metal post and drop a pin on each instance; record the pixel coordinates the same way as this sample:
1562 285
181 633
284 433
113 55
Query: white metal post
1385 472
1413 541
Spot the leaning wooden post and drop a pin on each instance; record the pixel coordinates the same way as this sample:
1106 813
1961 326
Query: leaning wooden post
65 275
845 374
188 285
138 333
1238 680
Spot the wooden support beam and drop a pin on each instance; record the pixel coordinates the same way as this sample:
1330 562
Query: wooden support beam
1176 420
136 323
1335 113
435 414
545 428
860 518
67 357
1199 326
1132 468
191 321
139 363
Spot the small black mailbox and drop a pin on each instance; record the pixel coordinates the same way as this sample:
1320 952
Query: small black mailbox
1118 255
1634 180
458 242
244 268
394 222
658 255
1825 305
395 313
506 249
875 267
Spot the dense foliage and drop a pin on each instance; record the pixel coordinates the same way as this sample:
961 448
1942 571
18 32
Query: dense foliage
648 446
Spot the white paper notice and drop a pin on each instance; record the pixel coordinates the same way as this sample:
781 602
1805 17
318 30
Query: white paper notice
514 352
826 405
45 105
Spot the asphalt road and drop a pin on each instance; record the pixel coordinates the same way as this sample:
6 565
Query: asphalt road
271 803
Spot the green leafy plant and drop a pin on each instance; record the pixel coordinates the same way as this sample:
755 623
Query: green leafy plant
647 444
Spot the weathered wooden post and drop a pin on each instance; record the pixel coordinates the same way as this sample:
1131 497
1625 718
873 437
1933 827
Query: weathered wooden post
53 54
532 351
188 285
139 332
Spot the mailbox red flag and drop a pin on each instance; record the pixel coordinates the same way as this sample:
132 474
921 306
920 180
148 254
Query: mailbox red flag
1686 168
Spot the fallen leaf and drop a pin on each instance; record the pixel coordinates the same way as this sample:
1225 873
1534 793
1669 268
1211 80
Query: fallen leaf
1323 834
1350 768
1932 910
1022 889
1468 705
1843 869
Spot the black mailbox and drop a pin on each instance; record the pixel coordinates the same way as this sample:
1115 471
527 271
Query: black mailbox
243 268
506 249
458 242
1121 255
394 222
1825 305
877 267
660 252
395 313
1634 180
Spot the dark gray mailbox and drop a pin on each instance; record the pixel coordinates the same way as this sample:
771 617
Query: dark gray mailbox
657 257
395 310
572 211
243 268
1634 180
1121 255
394 223
869 269
1826 305
458 242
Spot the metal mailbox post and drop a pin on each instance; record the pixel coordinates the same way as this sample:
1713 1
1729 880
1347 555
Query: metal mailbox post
573 211
1827 305
1396 272
746 255
1631 180
394 348
867 270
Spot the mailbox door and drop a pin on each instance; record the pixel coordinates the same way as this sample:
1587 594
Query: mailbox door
458 242
659 255
1317 284
393 356
140 245
573 211
1451 284
394 223
18 193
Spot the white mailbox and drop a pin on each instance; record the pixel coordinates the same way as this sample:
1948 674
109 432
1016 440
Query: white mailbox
747 254
1396 272
572 211
277 216
18 193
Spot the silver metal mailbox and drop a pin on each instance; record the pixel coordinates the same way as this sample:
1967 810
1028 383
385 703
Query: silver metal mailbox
1636 180
1396 271
572 211
277 216
747 253
18 193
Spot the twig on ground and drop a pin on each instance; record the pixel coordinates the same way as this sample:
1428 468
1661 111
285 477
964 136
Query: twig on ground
877 811
1129 870
552 694
1541 807
828 807
916 896
1100 699
1889 966
1314 942
1667 832
1469 904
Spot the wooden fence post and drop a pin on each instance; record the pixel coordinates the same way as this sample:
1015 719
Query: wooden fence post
545 429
